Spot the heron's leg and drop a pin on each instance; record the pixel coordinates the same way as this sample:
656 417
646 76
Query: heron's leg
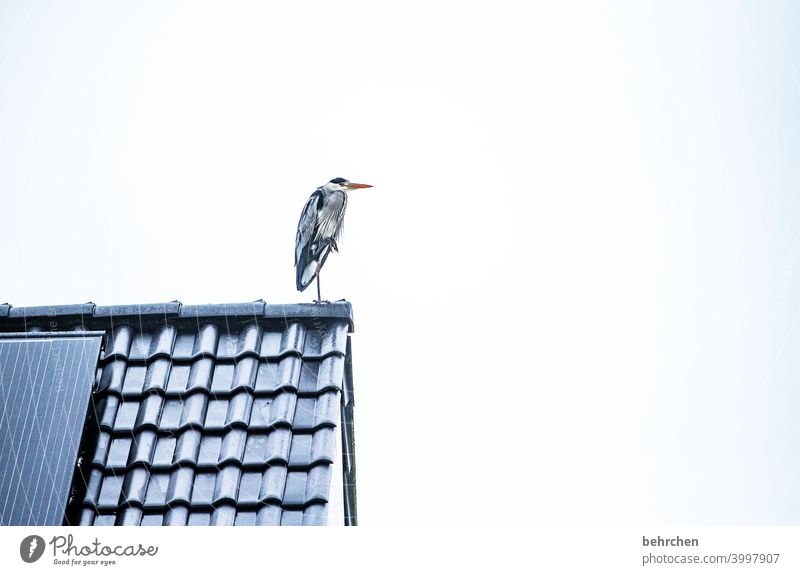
319 297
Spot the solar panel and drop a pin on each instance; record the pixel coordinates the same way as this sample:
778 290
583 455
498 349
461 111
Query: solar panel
45 383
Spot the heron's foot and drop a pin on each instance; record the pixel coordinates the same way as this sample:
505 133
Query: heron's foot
332 243
321 301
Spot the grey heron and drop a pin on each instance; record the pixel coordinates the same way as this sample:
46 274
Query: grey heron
319 229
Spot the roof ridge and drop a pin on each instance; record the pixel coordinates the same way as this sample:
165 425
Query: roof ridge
175 309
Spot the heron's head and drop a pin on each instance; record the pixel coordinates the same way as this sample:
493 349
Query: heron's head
341 184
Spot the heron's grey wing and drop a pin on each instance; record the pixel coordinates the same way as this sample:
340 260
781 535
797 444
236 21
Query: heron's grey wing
306 226
306 229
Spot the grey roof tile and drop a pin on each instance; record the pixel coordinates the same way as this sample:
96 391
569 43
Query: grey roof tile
313 412
162 341
171 414
184 344
199 518
126 415
273 483
157 488
92 496
223 515
279 444
180 486
215 414
119 453
319 376
110 490
227 484
245 518
295 492
164 451
318 483
140 347
256 452
105 520
133 381
277 343
245 374
303 487
223 378
300 455
316 514
271 343
250 487
232 447
273 412
205 342
269 515
157 375
101 451
292 518
178 378
249 340
239 408
200 376
144 443
203 492
267 447
107 410
87 516
134 487
226 347
120 340
113 377
282 374
188 447
129 516
177 515
209 451
323 446
151 520
329 338
149 412
195 408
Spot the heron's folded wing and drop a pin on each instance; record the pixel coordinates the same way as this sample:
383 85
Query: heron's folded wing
305 228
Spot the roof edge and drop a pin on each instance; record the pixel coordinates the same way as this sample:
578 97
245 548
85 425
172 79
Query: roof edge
253 309
78 309
172 308
341 309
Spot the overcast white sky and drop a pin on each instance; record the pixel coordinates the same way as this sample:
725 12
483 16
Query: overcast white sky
575 280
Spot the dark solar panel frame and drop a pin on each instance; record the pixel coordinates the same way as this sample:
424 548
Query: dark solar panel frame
46 381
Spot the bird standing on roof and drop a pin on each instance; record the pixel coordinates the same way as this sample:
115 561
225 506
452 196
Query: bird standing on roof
319 229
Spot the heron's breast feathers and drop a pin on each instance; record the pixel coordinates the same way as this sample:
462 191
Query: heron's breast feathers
330 217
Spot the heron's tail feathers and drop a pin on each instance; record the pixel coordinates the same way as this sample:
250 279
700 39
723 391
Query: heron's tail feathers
306 274
308 266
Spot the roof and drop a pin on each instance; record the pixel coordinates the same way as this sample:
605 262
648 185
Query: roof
231 414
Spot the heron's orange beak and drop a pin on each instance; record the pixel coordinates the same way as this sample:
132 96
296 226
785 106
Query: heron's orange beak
356 186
